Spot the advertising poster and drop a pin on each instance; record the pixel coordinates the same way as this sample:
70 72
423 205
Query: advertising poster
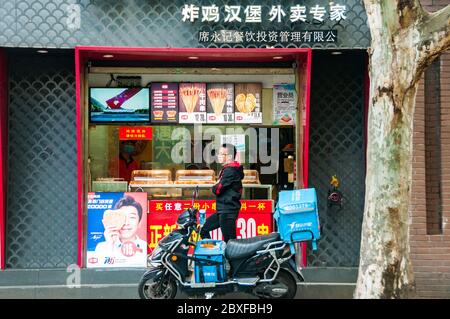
164 103
255 218
284 104
220 102
133 133
192 97
116 230
248 103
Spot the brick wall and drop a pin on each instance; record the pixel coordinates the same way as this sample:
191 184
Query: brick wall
430 246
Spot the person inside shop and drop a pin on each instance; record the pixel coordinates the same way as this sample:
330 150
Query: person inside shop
228 192
121 227
127 163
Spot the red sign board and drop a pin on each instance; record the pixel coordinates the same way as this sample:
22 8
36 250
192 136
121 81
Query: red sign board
178 206
255 218
135 133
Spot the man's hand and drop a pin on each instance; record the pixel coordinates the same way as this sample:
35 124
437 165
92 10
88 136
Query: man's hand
111 235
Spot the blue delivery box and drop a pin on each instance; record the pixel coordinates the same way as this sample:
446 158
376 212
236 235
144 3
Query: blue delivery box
297 217
209 261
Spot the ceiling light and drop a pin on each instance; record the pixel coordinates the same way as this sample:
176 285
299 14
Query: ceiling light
42 51
108 56
277 57
336 53
193 58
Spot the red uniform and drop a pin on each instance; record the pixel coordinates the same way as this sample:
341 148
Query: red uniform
125 168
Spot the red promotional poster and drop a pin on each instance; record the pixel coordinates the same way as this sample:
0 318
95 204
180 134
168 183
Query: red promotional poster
255 218
127 133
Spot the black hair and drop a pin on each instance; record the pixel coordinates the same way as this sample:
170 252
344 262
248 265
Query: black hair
129 201
231 149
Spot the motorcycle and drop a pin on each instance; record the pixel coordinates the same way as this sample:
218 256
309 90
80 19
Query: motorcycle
264 265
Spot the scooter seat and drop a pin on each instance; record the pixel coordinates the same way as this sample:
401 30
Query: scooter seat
241 248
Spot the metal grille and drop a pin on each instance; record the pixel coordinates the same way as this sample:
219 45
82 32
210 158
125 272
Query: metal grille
337 148
42 188
143 23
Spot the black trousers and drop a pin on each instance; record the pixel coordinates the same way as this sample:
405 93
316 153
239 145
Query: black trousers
226 222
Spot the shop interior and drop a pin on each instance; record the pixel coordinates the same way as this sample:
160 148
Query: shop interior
143 160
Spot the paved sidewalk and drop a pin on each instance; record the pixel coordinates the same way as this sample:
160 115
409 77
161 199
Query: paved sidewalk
321 283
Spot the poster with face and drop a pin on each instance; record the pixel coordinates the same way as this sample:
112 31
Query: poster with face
247 102
220 103
192 102
116 231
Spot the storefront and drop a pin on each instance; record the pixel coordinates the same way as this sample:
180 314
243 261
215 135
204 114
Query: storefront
191 101
271 61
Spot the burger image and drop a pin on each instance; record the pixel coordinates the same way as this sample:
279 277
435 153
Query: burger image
171 114
158 114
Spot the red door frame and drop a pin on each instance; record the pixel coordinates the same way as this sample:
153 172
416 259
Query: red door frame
3 151
85 53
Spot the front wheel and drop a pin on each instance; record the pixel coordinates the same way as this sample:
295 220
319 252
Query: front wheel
153 288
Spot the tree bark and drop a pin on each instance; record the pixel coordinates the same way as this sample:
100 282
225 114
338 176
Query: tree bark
405 39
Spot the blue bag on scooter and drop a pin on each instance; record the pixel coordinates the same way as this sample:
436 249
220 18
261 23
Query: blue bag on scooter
209 261
297 216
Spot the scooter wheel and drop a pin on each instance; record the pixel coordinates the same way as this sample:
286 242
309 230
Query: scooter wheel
287 280
150 289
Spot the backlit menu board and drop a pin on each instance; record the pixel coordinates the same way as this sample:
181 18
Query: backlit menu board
192 102
164 103
248 103
220 103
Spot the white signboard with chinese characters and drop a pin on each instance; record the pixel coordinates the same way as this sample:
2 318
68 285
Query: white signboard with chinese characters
268 36
254 14
284 104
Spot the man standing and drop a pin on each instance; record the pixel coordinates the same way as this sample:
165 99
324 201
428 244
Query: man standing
228 192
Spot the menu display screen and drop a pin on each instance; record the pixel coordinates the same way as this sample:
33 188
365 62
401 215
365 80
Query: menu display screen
164 103
118 105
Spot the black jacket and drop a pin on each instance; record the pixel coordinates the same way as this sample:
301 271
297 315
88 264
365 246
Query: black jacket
228 189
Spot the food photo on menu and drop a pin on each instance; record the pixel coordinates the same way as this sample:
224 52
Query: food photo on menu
220 102
248 102
192 103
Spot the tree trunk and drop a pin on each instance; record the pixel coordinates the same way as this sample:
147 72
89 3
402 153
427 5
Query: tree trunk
397 60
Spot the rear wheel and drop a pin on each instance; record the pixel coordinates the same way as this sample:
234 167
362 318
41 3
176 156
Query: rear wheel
149 288
283 287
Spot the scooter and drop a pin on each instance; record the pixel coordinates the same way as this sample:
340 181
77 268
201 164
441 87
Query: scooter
263 265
